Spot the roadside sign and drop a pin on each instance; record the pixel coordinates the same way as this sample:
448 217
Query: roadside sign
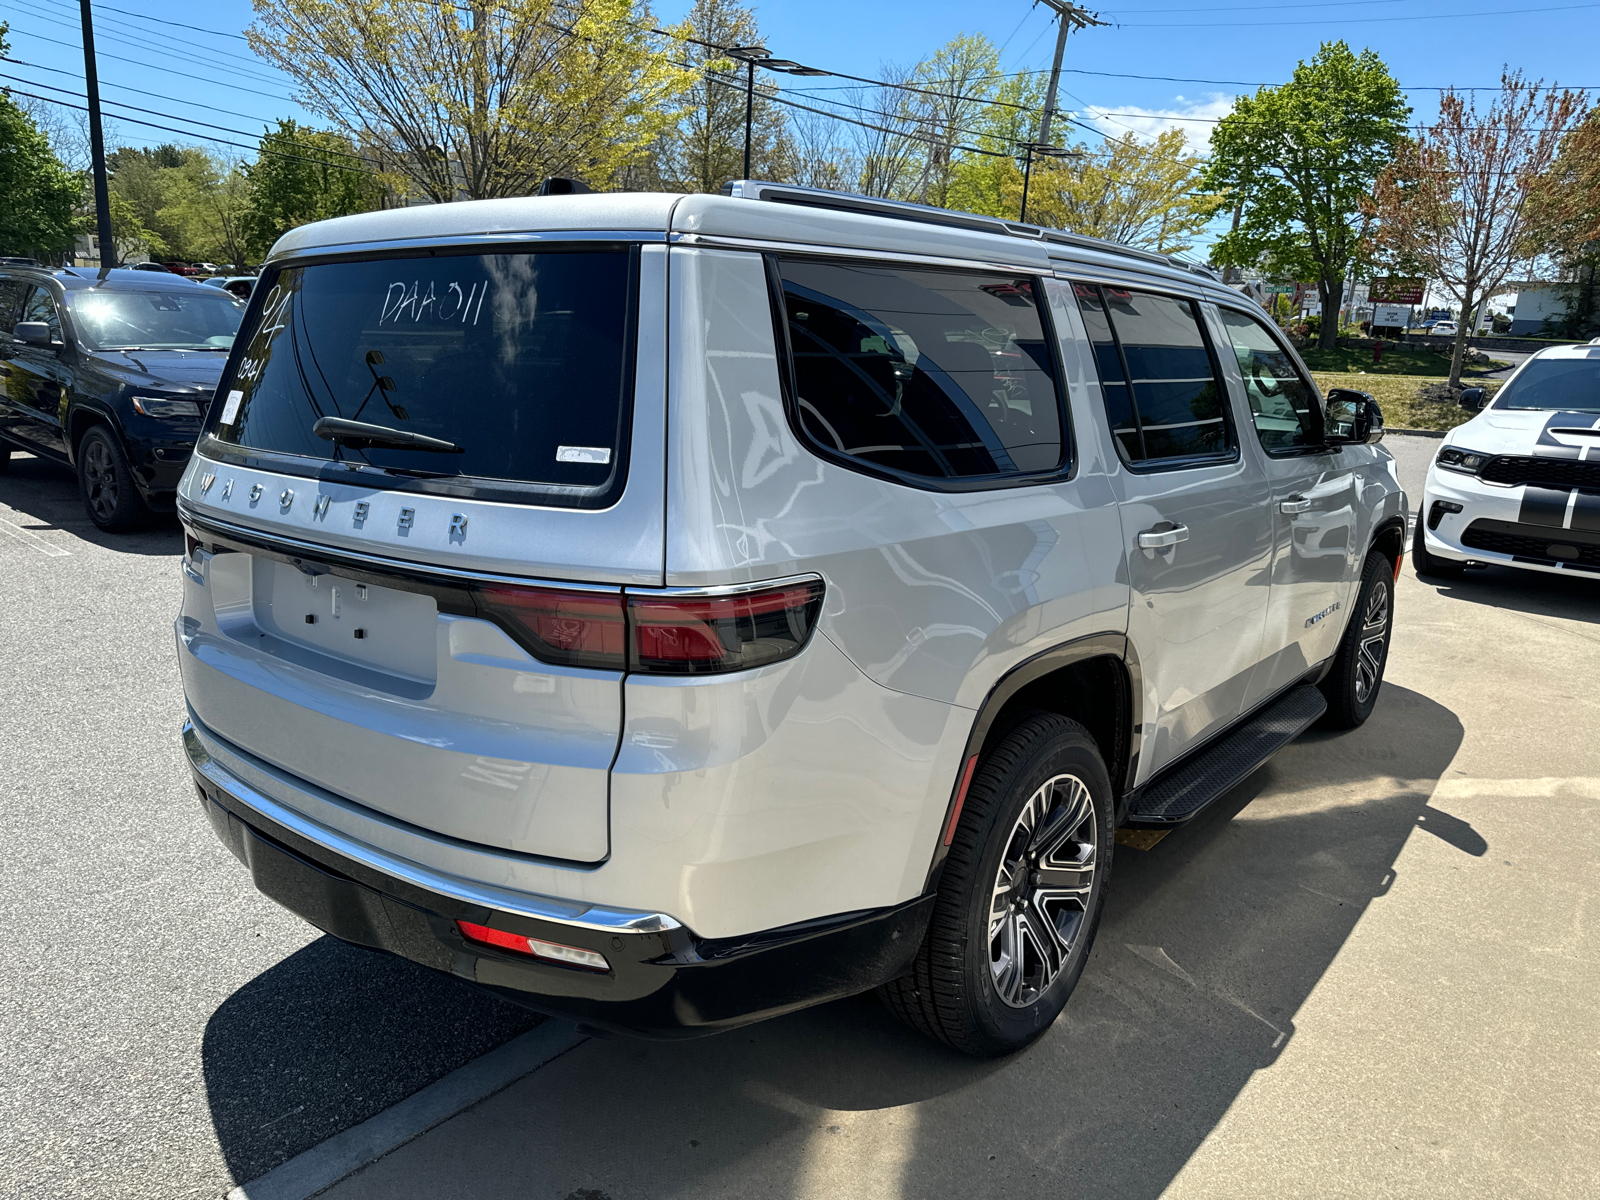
1396 291
1385 316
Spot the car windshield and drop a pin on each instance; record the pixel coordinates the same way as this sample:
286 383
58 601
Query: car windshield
1556 384
191 319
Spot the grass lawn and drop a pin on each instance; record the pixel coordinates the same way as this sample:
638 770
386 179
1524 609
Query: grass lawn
1397 396
1357 360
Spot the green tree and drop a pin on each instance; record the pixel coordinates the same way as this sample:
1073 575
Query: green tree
480 98
303 175
178 200
991 183
38 194
1302 159
1131 191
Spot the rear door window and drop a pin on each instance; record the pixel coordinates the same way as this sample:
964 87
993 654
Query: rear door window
520 362
933 376
1163 397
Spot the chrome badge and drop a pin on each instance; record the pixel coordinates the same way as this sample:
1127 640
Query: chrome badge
255 492
407 515
1329 611
319 506
206 481
285 499
361 510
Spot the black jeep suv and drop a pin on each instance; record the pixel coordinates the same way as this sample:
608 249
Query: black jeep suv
110 372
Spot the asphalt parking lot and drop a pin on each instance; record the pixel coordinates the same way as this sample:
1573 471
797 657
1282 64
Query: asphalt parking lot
1370 971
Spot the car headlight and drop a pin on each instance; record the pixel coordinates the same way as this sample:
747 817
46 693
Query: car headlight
158 406
1469 462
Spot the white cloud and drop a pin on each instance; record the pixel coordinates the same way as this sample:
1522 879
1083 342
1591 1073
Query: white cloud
1149 123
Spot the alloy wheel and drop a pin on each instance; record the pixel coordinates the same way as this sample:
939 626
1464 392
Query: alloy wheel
100 474
1042 889
1374 636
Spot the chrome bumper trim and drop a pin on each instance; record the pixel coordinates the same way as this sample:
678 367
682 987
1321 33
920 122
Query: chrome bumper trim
527 904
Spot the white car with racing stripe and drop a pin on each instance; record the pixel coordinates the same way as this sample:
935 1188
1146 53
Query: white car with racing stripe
1519 484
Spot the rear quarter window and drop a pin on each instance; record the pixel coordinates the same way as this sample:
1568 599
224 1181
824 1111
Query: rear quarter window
522 359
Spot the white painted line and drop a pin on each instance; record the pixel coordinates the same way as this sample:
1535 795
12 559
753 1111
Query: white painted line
34 540
326 1163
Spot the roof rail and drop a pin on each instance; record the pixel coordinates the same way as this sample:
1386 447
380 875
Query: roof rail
905 210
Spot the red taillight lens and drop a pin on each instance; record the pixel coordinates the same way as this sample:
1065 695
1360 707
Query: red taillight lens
572 956
692 635
574 629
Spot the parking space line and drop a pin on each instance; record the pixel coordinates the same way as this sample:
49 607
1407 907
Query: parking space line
29 539
326 1163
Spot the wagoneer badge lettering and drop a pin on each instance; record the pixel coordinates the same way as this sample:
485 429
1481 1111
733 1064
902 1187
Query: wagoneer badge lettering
361 511
319 507
227 489
255 492
458 525
407 515
1329 611
206 481
285 499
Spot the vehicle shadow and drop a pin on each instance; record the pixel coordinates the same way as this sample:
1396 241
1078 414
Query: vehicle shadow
330 1036
1210 943
47 494
1532 592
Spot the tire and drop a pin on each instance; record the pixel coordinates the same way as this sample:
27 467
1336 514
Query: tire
1432 564
989 984
109 493
1353 683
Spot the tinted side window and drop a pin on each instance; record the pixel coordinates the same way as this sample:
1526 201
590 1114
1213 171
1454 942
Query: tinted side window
928 373
41 306
1163 397
11 291
1282 404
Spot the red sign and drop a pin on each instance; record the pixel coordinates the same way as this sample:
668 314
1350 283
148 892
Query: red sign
1396 291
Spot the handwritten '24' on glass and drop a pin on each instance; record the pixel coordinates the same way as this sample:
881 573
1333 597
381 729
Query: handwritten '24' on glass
405 298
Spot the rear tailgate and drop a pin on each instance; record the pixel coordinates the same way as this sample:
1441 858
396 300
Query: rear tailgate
378 641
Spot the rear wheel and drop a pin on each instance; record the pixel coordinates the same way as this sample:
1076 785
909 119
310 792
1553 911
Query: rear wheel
1020 896
1351 686
109 492
1432 564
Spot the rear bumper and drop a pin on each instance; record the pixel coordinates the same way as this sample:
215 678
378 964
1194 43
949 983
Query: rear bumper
664 981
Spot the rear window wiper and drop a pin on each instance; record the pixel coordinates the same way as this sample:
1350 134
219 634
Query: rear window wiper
358 435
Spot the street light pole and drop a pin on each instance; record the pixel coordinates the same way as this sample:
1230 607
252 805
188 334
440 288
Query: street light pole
749 109
97 143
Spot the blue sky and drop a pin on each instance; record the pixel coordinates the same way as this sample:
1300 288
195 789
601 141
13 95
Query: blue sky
1426 43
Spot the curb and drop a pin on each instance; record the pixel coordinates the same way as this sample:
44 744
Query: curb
1435 433
325 1164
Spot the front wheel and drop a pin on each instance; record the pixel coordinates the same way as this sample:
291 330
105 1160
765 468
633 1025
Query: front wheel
1020 896
1351 685
109 492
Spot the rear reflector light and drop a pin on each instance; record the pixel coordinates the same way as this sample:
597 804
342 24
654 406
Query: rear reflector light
656 633
692 635
572 956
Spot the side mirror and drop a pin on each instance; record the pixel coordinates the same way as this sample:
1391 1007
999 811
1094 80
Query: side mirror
1474 399
34 333
1352 418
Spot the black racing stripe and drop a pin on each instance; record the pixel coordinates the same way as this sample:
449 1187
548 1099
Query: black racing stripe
1548 447
1586 512
1544 506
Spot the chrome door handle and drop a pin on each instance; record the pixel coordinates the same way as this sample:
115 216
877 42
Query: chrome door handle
1160 539
1294 504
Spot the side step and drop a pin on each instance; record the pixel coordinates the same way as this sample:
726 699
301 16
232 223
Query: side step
1185 789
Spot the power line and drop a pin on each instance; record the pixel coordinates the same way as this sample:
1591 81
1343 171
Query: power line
143 44
141 91
224 33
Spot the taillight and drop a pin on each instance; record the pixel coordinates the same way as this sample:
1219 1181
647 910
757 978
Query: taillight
658 633
694 635
572 629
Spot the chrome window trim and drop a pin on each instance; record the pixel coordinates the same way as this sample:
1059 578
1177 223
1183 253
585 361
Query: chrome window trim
502 238
188 513
763 245
575 914
1130 278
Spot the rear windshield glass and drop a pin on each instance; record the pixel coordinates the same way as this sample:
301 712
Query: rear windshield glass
514 364
1560 384
190 319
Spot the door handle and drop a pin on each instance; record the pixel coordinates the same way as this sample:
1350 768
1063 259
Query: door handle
1160 539
1294 504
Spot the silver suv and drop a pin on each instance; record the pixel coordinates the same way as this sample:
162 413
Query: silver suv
672 611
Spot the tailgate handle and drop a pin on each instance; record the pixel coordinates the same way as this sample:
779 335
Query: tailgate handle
1160 539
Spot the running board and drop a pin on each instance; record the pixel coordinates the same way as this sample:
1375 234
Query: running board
1186 789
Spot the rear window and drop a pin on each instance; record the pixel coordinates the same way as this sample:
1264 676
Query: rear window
520 360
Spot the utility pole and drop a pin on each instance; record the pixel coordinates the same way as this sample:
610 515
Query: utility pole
1070 16
97 142
1230 275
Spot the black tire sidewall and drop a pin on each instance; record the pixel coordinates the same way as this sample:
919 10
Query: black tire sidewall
1344 710
1068 751
130 510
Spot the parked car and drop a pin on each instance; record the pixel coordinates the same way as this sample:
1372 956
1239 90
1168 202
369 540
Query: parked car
110 374
235 285
1443 329
892 559
150 266
182 268
1519 484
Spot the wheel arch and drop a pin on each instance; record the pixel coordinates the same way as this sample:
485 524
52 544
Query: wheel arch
1389 540
1076 680
82 418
